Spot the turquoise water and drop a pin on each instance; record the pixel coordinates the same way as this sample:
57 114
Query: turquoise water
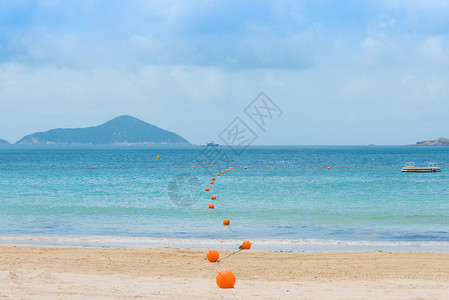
96 195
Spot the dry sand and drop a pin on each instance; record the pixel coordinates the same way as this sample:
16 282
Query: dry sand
104 273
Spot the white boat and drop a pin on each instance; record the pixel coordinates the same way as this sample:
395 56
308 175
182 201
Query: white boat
410 167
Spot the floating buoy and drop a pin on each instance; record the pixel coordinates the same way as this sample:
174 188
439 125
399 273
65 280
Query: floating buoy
206 189
222 172
226 222
211 182
328 168
157 157
212 255
227 170
211 206
246 245
246 168
225 279
213 178
218 174
230 168
214 197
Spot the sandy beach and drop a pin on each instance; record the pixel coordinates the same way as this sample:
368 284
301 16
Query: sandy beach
31 272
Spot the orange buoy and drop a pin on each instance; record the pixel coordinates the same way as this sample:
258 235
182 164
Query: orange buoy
218 174
230 168
226 222
212 255
328 168
214 197
227 170
225 279
246 245
246 168
222 172
211 206
213 178
206 189
211 182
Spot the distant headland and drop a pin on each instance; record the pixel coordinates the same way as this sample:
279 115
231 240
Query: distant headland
3 142
123 130
442 141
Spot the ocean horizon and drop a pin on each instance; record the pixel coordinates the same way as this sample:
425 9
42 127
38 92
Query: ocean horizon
289 197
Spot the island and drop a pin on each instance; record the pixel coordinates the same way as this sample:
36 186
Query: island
123 130
3 142
442 141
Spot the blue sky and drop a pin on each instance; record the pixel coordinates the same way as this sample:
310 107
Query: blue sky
343 72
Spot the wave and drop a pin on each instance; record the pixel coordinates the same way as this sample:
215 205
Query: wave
258 244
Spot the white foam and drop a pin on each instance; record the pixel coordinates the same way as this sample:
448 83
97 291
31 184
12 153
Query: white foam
262 244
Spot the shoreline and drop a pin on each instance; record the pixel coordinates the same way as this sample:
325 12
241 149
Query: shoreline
69 273
295 245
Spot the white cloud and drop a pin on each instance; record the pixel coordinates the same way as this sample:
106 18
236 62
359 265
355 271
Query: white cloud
436 48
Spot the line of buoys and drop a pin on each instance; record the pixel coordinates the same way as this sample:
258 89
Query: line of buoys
177 167
100 168
225 279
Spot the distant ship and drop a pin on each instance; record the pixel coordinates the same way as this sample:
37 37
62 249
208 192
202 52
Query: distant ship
410 167
212 145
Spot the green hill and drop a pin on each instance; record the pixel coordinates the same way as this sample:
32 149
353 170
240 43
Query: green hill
123 130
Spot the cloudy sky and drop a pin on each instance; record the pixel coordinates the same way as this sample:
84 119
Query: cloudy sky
343 72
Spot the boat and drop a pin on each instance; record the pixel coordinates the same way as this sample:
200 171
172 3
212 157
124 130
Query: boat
212 145
410 167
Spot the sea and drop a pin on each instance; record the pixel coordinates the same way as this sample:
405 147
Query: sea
281 198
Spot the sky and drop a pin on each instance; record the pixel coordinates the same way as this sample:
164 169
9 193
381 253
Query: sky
342 72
